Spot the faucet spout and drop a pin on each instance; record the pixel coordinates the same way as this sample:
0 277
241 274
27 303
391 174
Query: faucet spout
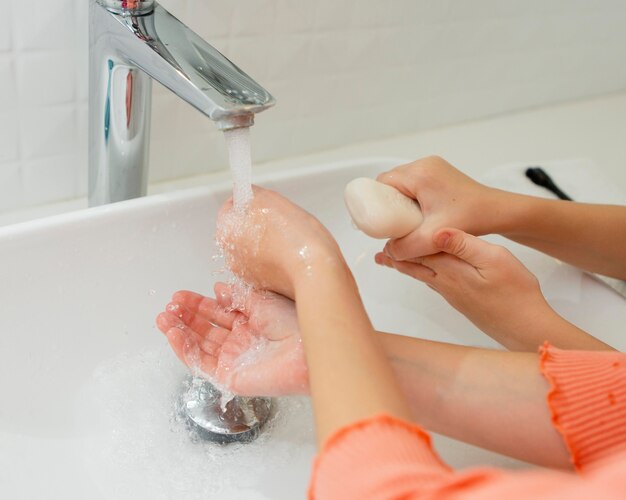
131 43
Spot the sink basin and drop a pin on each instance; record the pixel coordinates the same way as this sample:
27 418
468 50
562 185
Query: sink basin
88 384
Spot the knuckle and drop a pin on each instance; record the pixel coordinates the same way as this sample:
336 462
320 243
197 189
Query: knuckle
433 163
434 159
533 280
382 177
501 254
394 250
459 245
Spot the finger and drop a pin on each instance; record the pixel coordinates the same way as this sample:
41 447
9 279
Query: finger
408 178
446 265
224 295
415 260
169 319
466 247
239 342
399 179
196 322
205 307
198 359
226 298
417 271
194 352
176 339
189 299
206 330
415 244
180 311
188 351
209 340
163 323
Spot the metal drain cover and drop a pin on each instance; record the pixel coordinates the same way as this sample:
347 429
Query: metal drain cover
240 420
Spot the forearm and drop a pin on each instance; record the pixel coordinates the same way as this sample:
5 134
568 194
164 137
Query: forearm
385 457
589 236
538 325
350 377
492 399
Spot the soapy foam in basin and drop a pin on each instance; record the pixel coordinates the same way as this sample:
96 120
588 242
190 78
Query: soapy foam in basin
144 450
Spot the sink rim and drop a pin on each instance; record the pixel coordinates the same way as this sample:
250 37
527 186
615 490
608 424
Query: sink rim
219 182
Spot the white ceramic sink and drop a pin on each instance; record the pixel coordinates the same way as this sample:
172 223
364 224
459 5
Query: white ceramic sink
87 383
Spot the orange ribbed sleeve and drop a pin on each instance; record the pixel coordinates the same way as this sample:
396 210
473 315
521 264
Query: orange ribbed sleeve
374 458
588 401
383 458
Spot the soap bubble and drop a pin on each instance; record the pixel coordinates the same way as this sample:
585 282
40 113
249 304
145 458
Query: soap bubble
138 445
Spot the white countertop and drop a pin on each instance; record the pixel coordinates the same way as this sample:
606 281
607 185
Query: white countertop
593 128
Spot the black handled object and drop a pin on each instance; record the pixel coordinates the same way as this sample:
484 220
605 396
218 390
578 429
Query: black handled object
539 176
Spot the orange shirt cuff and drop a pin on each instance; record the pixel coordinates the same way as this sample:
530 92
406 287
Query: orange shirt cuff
587 399
373 458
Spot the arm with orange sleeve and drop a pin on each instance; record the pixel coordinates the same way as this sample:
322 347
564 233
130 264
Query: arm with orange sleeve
384 457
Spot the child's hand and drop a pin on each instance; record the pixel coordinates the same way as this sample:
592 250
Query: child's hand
274 243
256 353
447 198
484 282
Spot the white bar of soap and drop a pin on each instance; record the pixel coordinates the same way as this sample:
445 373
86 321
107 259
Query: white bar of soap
381 211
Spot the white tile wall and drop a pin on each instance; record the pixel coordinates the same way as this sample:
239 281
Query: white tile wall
49 179
43 25
45 78
11 186
9 151
342 71
5 26
8 91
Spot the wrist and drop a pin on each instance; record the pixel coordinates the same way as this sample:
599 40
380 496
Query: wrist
511 212
329 291
524 332
317 268
483 211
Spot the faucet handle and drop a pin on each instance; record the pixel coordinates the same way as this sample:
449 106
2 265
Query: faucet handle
130 7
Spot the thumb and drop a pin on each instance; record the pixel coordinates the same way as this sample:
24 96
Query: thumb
466 247
417 243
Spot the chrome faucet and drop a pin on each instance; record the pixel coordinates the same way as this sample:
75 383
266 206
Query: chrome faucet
131 42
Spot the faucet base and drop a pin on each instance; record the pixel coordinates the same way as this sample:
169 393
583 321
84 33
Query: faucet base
241 420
